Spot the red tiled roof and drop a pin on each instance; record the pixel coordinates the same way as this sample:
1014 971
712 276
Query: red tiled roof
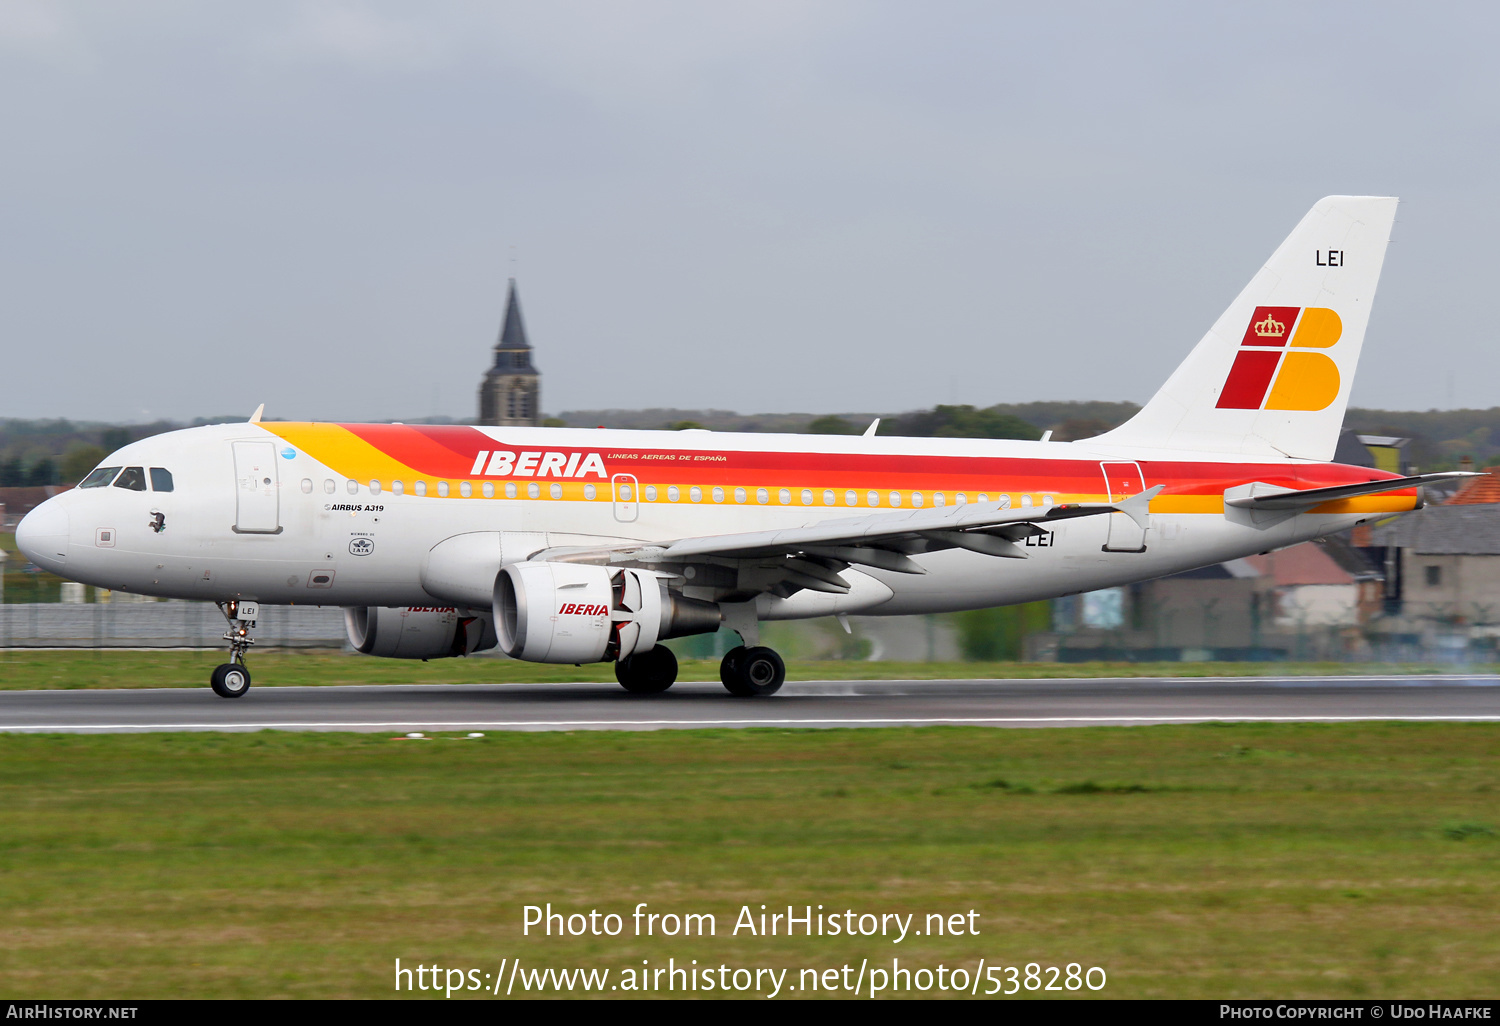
1479 490
1301 564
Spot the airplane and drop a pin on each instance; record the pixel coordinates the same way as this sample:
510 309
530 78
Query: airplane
562 545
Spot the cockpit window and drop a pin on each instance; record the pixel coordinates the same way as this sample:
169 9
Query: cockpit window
161 479
99 478
134 478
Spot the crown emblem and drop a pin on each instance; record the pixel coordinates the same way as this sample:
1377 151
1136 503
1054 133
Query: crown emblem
1270 328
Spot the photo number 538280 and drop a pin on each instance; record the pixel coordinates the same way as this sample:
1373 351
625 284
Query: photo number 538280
1010 979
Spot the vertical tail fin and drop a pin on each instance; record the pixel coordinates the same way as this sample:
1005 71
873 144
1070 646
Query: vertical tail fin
1272 376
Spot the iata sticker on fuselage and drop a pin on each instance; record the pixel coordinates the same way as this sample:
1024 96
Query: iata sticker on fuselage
504 463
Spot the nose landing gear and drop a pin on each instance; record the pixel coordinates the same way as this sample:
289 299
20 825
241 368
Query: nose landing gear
232 679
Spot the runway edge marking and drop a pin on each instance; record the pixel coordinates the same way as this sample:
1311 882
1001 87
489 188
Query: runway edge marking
888 721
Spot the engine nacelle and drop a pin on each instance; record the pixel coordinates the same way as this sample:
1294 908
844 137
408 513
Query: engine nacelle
580 613
418 632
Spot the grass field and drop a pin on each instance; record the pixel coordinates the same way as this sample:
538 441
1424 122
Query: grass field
107 668
1206 861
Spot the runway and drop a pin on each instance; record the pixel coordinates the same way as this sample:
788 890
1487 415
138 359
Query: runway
815 704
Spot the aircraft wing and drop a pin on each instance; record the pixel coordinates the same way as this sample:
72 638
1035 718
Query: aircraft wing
1306 498
882 540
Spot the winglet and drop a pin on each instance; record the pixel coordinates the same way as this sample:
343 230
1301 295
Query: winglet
255 417
870 431
1138 507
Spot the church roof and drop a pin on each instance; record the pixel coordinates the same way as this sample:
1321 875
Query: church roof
512 329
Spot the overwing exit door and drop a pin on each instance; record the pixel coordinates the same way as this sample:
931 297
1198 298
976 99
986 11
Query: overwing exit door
256 488
627 497
1121 481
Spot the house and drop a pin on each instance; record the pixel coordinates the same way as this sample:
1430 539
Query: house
1307 601
1447 557
1320 584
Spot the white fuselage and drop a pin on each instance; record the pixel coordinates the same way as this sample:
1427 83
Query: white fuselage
330 528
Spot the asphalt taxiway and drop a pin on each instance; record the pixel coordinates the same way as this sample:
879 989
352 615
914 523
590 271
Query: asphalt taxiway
857 703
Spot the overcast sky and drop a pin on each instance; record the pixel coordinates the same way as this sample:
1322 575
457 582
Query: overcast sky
761 206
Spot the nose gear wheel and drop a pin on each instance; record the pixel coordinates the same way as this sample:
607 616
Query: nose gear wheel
232 679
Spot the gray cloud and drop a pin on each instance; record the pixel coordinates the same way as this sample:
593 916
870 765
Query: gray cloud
757 206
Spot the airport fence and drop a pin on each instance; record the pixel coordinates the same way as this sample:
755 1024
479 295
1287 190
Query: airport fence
171 624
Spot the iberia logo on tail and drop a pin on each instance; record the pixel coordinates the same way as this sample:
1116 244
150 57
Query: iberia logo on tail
1273 369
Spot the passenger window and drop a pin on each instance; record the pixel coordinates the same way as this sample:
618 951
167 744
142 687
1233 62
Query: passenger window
939 499
161 479
307 486
695 493
420 487
466 489
873 498
352 486
133 478
328 486
510 489
1026 502
442 489
488 488
375 487
397 487
100 477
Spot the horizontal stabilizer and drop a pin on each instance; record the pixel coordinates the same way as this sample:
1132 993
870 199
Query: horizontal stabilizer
1306 498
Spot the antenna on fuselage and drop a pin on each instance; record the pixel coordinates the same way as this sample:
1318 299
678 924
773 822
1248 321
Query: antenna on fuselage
255 417
870 431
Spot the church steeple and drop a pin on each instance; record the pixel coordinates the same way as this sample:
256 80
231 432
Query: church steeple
510 395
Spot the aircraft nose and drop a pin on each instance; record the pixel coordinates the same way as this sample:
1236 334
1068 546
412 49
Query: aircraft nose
42 535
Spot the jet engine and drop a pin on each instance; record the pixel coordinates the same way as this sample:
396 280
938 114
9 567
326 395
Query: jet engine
418 632
579 613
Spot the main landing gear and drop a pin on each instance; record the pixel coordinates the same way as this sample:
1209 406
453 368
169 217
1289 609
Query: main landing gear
746 672
752 672
232 679
647 673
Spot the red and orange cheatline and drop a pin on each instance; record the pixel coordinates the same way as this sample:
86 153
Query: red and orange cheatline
1304 381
